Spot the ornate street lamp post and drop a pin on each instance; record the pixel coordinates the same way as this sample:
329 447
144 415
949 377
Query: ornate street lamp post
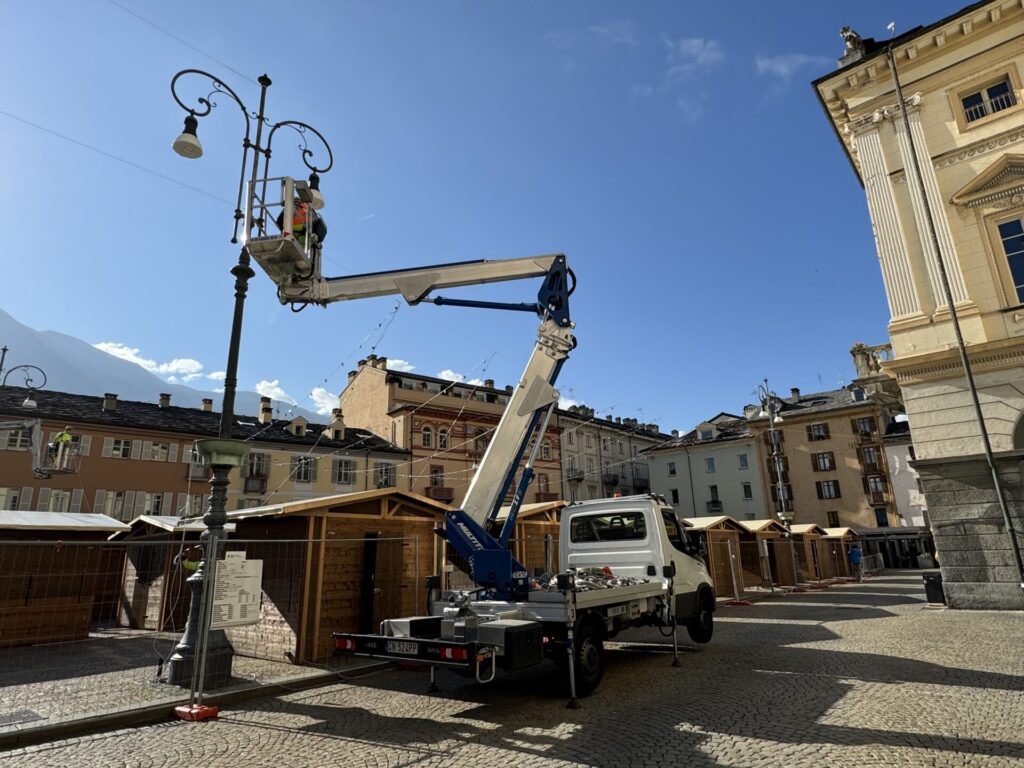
771 405
210 650
26 372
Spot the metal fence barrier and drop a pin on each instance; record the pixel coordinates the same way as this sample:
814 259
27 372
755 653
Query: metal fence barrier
89 628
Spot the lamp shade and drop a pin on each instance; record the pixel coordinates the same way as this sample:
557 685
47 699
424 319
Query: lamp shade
187 144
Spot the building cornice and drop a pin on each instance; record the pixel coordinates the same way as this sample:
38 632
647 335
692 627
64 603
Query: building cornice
945 364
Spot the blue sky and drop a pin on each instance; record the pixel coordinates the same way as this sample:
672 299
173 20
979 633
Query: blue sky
675 152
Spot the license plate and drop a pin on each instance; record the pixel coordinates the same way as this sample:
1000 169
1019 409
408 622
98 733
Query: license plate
402 646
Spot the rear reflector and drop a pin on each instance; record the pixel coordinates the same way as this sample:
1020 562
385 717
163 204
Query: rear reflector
454 654
344 644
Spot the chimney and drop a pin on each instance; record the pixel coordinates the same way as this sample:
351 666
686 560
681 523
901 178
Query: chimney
489 383
336 429
207 404
165 400
609 417
382 363
266 411
352 375
618 419
508 389
675 433
109 402
795 393
372 360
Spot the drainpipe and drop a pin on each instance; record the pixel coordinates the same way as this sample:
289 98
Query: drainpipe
689 475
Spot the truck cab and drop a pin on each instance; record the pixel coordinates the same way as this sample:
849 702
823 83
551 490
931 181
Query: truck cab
638 536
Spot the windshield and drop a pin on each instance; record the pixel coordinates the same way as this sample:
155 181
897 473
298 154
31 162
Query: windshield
675 531
617 526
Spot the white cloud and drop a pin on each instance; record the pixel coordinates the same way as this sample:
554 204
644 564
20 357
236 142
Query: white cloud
183 366
400 365
324 401
784 66
273 390
476 382
565 403
216 375
690 56
191 377
449 375
617 32
219 390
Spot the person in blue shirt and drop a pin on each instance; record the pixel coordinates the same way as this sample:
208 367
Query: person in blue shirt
855 560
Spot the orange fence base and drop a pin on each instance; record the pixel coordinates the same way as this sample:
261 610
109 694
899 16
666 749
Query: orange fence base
196 712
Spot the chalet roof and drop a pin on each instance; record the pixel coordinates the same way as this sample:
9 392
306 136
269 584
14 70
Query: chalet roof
11 519
532 510
324 503
716 521
88 409
839 533
761 526
805 528
174 524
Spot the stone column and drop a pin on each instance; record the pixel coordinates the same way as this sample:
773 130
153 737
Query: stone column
889 238
934 201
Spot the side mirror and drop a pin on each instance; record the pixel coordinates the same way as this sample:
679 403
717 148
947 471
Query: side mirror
669 570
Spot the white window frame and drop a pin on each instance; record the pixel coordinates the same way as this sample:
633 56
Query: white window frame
709 465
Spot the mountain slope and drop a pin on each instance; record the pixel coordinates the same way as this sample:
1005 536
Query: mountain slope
75 366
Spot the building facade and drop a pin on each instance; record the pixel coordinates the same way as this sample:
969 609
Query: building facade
445 425
602 457
136 458
911 505
945 189
833 469
710 471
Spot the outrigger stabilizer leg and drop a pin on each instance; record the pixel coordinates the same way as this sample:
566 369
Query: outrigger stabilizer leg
670 572
432 688
567 586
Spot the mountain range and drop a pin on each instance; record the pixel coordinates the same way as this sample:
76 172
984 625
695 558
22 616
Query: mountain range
75 366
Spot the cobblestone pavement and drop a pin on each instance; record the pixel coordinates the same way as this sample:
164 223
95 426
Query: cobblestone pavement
857 675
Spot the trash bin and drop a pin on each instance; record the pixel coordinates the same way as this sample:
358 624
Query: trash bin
933 588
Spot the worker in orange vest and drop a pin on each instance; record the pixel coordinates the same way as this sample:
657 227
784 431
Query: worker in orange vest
302 215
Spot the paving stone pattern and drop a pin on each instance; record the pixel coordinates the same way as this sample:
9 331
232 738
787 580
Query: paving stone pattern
857 675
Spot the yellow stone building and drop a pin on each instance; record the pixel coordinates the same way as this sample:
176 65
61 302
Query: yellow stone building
961 80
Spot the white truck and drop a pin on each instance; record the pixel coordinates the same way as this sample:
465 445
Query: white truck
652 574
657 578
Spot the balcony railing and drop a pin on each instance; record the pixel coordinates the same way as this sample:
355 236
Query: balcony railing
715 507
784 506
440 493
255 485
574 475
988 107
870 469
879 497
542 496
867 437
610 478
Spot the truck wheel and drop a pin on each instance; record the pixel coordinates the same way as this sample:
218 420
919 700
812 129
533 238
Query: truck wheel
588 659
702 626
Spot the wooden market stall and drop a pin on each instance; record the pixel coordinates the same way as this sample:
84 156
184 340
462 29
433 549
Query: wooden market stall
839 541
721 535
765 553
535 541
157 554
332 564
814 559
50 565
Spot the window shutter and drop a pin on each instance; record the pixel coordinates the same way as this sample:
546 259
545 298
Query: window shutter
853 427
140 504
832 459
167 503
814 462
172 455
835 484
108 447
25 499
85 445
867 488
186 454
44 499
817 487
136 448
51 437
128 505
100 502
312 470
147 451
4 435
810 433
76 500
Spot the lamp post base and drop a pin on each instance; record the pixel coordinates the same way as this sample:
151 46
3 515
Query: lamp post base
217 673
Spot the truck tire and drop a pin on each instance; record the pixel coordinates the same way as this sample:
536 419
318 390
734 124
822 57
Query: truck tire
702 626
588 658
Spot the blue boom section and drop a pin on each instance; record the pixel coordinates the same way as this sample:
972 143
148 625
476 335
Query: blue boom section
491 564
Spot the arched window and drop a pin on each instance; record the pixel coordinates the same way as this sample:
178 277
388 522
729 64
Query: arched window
545 450
427 436
442 439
